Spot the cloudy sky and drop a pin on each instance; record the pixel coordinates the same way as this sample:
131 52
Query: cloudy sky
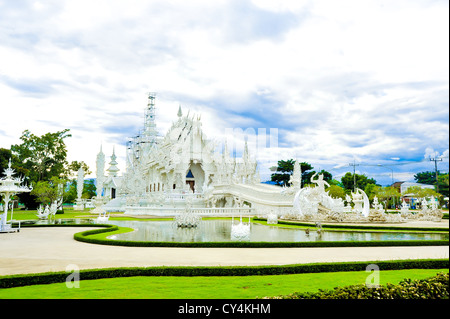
341 82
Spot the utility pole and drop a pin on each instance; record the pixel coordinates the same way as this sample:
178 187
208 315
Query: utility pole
354 174
435 160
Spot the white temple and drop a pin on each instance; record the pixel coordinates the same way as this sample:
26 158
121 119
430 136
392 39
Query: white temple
162 172
182 173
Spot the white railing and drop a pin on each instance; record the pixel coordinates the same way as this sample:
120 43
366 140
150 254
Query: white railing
260 195
204 211
181 196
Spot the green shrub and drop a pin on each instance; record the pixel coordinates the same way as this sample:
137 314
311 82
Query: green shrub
358 227
436 287
54 277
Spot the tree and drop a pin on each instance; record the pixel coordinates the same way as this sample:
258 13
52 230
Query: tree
336 191
335 182
371 190
49 191
420 192
89 191
43 156
74 166
385 194
45 193
429 178
5 155
443 184
361 181
285 170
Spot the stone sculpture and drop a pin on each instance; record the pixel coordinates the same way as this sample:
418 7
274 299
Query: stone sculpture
9 186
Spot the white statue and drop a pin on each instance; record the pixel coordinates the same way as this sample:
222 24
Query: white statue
272 218
53 208
240 231
296 178
319 181
80 183
42 213
404 209
361 202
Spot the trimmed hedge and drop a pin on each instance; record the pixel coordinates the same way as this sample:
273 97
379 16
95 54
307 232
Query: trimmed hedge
358 226
57 277
436 287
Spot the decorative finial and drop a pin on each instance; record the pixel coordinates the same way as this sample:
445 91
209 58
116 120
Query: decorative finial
180 113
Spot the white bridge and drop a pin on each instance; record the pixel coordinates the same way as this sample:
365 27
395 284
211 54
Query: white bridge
241 200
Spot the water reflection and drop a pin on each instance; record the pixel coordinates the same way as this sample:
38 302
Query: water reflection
220 231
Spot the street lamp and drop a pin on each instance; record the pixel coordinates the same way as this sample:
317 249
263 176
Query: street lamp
392 176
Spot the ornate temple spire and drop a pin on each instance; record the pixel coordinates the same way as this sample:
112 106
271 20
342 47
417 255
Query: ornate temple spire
180 113
296 177
113 169
245 155
9 172
100 171
150 131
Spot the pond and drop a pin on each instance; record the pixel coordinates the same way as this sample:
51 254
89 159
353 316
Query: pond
220 231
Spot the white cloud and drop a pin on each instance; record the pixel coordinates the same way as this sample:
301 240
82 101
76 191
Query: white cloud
338 79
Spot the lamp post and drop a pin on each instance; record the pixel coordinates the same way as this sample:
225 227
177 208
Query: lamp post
392 176
392 171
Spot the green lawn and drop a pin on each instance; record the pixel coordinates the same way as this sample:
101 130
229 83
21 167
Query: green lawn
238 287
31 214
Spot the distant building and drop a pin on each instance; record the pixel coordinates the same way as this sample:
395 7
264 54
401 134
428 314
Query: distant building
410 198
403 186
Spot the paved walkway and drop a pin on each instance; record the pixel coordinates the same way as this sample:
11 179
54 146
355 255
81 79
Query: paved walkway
35 250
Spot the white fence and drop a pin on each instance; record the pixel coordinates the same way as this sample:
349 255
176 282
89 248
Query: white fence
168 211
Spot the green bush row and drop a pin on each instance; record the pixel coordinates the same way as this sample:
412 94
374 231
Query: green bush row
55 277
356 227
436 287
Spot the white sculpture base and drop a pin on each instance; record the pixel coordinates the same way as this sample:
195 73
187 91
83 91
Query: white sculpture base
272 218
79 205
6 228
241 231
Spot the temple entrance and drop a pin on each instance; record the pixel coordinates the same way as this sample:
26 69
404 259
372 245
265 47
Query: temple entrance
191 185
190 180
195 177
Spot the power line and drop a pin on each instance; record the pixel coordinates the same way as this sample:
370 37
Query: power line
435 160
354 174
